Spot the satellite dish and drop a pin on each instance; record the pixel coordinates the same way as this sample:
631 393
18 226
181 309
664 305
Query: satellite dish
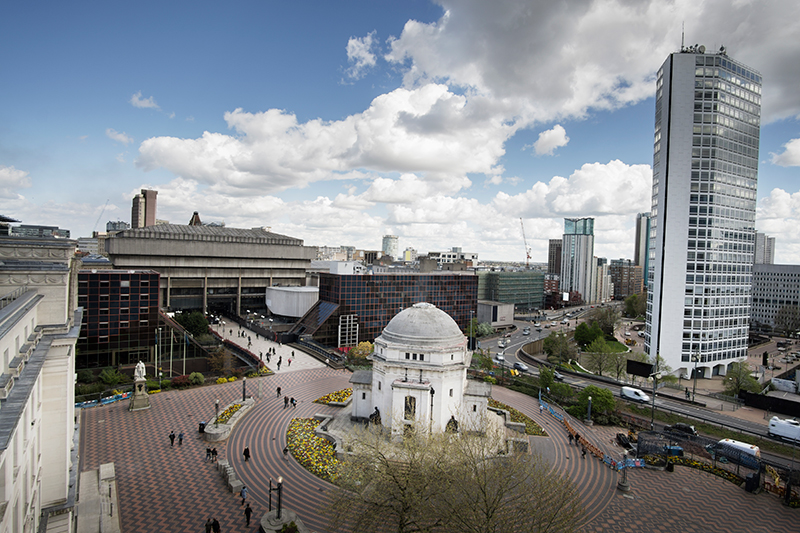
702 49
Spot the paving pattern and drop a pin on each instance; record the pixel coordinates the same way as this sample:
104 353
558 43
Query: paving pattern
173 489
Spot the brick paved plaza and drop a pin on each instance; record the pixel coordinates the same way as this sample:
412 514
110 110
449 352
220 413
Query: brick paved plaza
173 489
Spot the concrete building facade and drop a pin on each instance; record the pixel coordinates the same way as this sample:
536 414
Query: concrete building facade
554 256
577 257
776 290
765 249
705 171
626 277
143 209
211 268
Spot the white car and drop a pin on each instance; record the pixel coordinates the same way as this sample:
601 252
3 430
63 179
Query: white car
636 395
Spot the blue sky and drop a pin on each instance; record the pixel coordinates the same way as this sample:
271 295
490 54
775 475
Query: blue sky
338 122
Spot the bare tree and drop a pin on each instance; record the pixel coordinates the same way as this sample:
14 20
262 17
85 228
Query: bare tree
449 483
787 320
598 356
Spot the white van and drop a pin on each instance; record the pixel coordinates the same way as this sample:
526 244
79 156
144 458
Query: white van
630 393
787 429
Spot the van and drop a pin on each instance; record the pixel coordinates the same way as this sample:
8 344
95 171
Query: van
737 452
788 429
636 395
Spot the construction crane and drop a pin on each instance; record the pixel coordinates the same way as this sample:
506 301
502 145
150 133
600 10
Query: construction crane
527 248
101 214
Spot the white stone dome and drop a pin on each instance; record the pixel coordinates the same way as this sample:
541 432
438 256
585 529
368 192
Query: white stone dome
422 324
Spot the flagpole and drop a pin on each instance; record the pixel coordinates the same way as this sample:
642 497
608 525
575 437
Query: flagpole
171 344
185 342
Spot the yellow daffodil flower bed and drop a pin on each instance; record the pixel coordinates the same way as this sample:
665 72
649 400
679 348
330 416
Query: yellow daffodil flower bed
314 453
699 465
226 415
531 427
340 396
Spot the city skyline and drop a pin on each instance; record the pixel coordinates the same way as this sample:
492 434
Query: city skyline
442 123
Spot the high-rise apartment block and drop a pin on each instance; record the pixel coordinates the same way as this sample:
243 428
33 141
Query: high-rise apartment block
577 257
554 256
626 277
642 235
143 209
765 249
390 246
702 235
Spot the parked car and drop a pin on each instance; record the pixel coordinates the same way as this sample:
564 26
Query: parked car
788 429
539 330
680 427
522 367
636 395
500 358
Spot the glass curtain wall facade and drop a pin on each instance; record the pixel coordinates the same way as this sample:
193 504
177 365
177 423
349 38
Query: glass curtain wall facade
705 170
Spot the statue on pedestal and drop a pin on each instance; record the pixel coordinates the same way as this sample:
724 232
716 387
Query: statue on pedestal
138 374
140 399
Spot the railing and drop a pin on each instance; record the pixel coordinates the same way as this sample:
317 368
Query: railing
13 295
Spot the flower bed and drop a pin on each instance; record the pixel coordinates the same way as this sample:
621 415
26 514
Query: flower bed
226 415
340 396
314 453
531 427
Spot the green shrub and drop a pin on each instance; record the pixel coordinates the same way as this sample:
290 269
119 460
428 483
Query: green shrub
92 388
110 376
152 384
85 376
196 378
490 379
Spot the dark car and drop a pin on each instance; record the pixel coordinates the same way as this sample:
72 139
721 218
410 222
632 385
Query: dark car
522 367
680 427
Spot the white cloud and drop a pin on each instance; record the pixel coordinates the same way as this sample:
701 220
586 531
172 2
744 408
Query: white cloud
790 156
143 103
778 215
360 55
120 137
550 140
121 157
12 179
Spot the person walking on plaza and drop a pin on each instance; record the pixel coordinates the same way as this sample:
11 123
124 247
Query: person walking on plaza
583 452
279 392
280 360
247 512
172 438
208 456
243 494
286 452
215 525
293 402
570 439
209 525
288 362
246 454
213 455
285 402
180 438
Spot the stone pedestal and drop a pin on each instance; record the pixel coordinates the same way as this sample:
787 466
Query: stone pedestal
140 399
270 523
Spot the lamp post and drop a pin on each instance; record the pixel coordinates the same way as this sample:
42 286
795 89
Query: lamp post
656 376
216 409
278 488
244 388
471 331
430 429
589 411
159 379
696 359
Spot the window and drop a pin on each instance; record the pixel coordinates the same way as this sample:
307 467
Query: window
451 393
474 408
408 355
410 410
422 357
379 385
363 395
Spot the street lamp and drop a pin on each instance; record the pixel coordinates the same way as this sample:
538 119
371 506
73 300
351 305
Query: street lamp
244 388
589 411
216 409
279 488
430 429
159 380
656 376
696 359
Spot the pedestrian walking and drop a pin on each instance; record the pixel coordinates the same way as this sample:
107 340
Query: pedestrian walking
570 437
280 360
243 494
286 452
583 452
688 394
541 408
208 456
172 438
292 353
288 362
214 455
293 402
279 392
215 524
247 512
285 402
180 438
577 439
246 454
209 525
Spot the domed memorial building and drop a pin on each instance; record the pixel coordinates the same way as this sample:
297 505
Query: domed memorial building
419 376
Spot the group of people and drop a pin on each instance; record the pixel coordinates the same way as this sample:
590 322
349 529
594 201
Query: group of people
211 454
172 438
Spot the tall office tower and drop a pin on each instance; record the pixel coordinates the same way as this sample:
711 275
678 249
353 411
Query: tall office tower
642 236
577 257
390 247
705 170
765 249
554 256
143 209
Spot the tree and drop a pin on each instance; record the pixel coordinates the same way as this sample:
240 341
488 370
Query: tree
606 318
556 345
484 329
603 401
448 483
585 334
618 364
787 320
739 378
597 356
195 322
635 305
362 350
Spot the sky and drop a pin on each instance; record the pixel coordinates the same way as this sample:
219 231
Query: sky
442 122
